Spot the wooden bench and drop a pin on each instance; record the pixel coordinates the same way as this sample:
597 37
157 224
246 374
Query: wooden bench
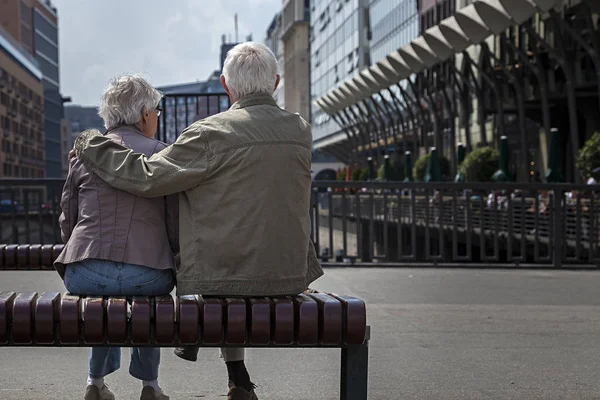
312 320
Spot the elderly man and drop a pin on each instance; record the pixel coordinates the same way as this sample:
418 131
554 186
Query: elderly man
244 178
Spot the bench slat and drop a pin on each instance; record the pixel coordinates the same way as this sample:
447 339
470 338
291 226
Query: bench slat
307 320
69 319
93 320
23 256
116 320
260 321
165 320
6 306
284 321
355 319
235 333
212 321
46 312
140 320
35 257
188 319
330 318
22 318
48 256
10 256
2 251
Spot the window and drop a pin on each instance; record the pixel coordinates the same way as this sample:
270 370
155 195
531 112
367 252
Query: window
49 70
26 36
46 48
41 24
25 14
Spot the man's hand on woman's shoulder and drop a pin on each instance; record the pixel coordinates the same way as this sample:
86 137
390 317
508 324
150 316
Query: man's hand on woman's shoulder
83 140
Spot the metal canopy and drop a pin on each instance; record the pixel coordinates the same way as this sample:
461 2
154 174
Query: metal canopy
379 76
468 26
372 82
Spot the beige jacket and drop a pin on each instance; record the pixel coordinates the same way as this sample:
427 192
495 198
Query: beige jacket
99 221
245 180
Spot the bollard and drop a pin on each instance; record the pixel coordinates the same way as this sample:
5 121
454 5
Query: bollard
460 157
502 175
408 167
553 173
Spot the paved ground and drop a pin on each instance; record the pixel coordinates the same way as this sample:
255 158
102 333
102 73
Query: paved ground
436 334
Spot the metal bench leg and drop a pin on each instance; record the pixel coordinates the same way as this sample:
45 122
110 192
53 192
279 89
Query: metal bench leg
355 372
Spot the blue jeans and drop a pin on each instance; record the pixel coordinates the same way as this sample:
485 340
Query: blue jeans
108 278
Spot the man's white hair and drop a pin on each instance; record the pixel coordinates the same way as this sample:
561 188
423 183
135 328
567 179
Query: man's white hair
250 67
125 99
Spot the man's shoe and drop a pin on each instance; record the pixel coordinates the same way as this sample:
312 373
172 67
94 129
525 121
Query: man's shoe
239 393
187 353
93 393
148 393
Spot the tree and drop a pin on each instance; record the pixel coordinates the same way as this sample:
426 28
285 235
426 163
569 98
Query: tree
480 164
420 167
588 158
360 174
395 171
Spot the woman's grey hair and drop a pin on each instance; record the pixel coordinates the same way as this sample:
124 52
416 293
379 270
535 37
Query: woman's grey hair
250 67
125 99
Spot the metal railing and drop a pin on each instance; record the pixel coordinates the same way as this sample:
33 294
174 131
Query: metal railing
396 224
461 225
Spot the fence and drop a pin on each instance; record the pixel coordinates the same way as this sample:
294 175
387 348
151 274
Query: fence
456 225
395 223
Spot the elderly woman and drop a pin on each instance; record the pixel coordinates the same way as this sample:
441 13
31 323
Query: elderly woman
118 244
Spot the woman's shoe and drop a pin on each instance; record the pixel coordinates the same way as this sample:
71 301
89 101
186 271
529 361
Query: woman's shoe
93 393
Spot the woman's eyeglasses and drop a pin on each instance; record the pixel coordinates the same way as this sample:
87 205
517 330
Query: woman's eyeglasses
158 111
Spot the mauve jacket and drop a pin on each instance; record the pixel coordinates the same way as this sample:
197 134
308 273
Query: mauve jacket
101 222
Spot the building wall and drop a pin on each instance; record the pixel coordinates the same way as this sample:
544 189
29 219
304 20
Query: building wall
77 119
393 24
296 50
190 106
10 18
45 25
297 71
34 23
67 142
21 116
273 41
82 118
339 50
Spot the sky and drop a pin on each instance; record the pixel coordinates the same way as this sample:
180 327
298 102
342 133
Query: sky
168 41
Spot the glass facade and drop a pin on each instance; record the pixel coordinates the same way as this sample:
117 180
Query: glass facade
180 112
339 50
46 52
394 23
